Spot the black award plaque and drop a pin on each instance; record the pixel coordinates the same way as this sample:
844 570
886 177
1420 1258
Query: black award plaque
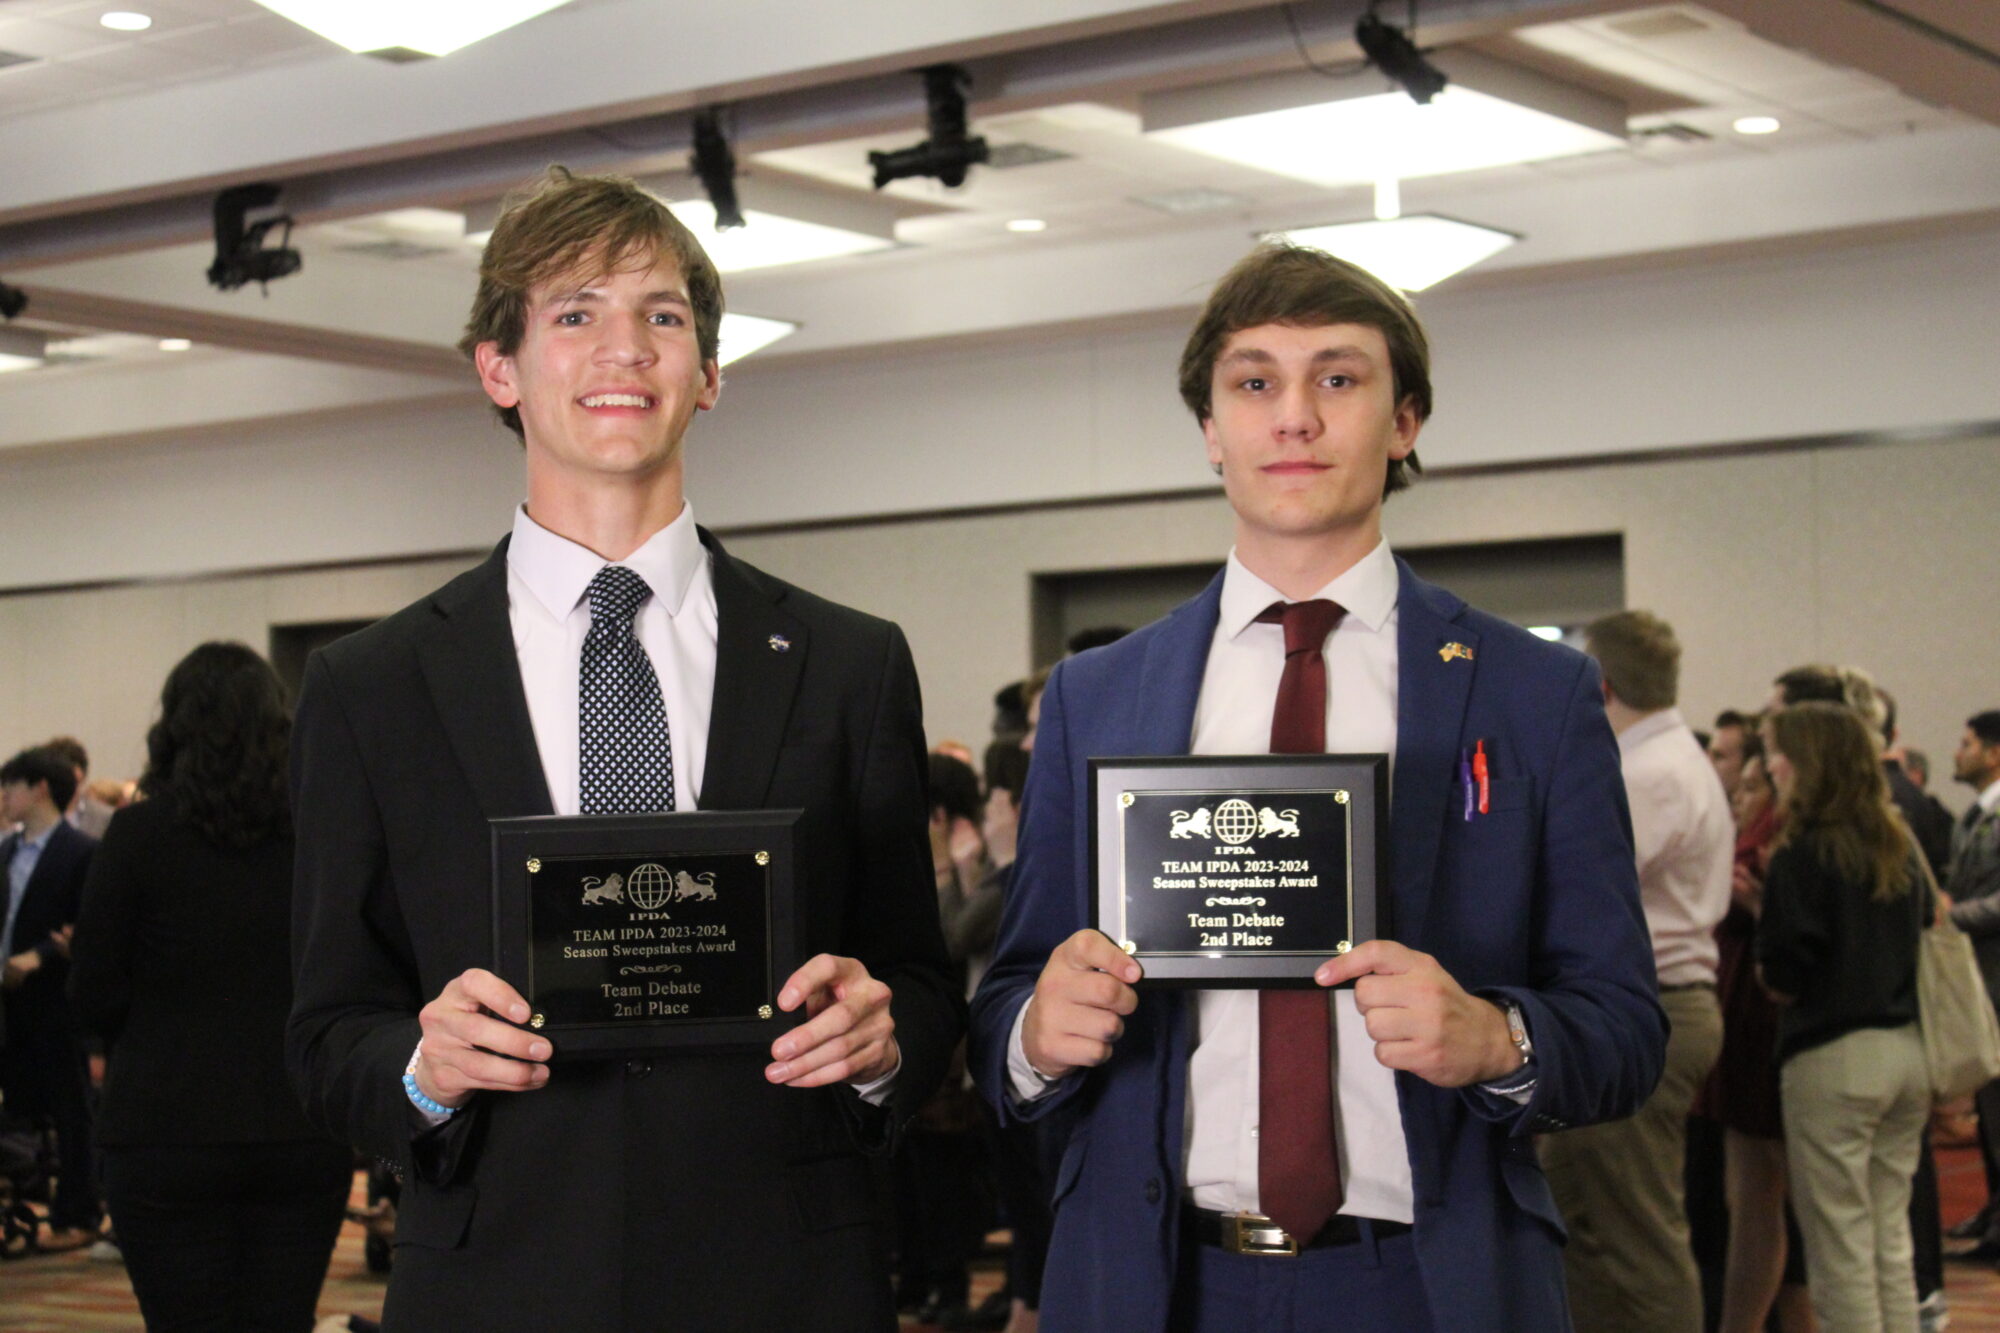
642 934
1239 871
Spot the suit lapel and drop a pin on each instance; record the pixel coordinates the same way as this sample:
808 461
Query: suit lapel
760 654
1433 686
474 677
1170 680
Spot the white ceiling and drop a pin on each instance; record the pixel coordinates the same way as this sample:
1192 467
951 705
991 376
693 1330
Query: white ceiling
114 242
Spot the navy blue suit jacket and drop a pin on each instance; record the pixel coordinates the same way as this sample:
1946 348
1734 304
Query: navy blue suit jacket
1536 901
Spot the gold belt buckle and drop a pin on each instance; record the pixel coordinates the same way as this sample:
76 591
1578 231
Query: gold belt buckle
1254 1233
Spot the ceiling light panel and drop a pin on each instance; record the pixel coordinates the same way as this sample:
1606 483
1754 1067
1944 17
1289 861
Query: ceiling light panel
1410 252
432 27
1337 132
743 335
767 240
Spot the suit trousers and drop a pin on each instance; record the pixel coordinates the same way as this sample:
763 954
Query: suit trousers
228 1237
1365 1287
1855 1112
1621 1189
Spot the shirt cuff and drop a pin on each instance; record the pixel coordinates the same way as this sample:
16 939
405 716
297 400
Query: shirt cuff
1518 1086
1027 1083
876 1091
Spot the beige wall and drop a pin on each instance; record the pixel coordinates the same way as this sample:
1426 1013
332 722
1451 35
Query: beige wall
1874 555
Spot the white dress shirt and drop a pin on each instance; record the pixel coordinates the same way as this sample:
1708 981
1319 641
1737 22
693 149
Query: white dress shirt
1239 695
1686 843
547 577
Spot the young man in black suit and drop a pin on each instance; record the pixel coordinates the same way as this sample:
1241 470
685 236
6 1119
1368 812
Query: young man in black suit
608 657
42 1069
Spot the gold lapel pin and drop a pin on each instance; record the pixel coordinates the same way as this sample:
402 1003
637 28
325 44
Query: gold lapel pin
1454 649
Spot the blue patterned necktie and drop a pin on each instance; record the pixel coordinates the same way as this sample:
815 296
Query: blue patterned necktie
625 759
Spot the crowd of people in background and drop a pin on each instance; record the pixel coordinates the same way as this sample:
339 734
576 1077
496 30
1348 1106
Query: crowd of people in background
1780 1176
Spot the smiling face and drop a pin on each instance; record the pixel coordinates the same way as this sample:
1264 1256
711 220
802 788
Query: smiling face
606 377
1304 422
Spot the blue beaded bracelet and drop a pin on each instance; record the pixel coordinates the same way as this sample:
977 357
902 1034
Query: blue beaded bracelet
416 1094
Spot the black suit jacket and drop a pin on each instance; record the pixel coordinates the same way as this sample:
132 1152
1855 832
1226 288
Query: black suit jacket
681 1193
181 965
39 1021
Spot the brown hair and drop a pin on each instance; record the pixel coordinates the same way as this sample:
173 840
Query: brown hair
565 223
1839 798
1640 656
1278 283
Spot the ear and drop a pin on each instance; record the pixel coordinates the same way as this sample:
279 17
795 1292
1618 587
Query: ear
1214 445
1407 425
496 374
711 387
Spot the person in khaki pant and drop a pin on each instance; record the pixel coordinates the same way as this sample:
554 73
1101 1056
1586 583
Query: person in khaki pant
1845 900
1628 1264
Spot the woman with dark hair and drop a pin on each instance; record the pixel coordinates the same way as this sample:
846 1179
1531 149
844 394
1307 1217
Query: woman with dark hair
227 1201
1845 900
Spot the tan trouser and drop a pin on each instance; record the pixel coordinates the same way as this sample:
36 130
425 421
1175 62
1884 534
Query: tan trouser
1619 1187
1855 1110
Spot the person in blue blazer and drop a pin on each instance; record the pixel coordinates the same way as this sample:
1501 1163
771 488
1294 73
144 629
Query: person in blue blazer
1514 993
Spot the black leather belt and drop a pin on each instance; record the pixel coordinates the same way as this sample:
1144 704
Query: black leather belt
1252 1233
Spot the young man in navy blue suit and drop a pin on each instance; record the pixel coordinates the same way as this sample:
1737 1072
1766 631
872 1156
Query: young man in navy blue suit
1516 994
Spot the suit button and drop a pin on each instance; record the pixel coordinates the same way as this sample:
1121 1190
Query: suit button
638 1068
1152 1191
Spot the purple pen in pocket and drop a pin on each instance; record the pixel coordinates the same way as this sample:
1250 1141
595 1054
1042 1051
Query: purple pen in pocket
1465 781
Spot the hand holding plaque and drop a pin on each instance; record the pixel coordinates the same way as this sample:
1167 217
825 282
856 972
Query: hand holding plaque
1239 871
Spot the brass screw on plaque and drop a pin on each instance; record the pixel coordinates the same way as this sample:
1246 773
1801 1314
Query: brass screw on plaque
534 865
764 859
1128 946
763 1011
537 1021
1340 798
1125 799
1343 946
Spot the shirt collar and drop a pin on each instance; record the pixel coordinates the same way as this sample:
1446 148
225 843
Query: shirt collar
1989 800
1647 727
558 571
1368 590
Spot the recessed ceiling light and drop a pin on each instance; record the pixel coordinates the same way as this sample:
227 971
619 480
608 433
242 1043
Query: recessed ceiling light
1756 125
425 27
1409 252
1027 224
767 240
175 344
741 335
125 20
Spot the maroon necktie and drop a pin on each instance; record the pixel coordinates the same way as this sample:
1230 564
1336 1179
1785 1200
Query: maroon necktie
1298 1166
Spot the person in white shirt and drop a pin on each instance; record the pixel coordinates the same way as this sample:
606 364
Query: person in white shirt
1359 1157
612 658
1619 1184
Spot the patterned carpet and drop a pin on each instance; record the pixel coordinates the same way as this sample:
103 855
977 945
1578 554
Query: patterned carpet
68 1293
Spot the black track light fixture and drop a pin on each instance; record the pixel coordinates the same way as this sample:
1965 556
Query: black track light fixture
240 253
949 153
714 165
1390 50
12 301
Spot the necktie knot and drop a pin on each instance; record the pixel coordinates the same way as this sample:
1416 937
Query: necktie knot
1306 623
615 594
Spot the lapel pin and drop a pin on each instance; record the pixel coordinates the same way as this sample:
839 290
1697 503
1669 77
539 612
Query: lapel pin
779 643
1454 649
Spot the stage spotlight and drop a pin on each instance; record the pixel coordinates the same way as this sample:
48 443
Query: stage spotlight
949 152
1390 50
12 301
714 165
240 253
